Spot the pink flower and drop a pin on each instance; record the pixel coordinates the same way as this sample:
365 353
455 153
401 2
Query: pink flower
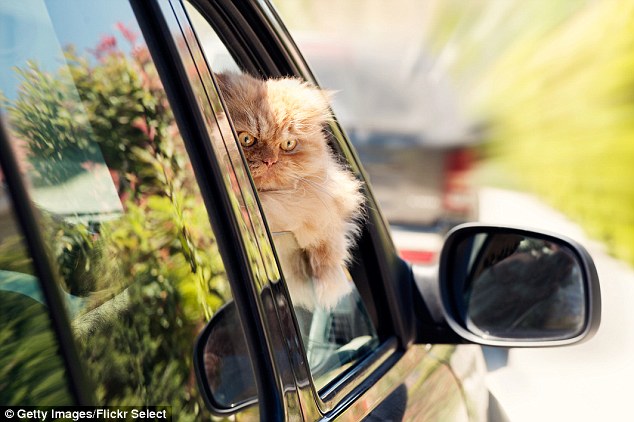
107 45
127 33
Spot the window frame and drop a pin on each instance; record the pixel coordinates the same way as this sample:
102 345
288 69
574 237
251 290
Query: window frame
161 25
278 56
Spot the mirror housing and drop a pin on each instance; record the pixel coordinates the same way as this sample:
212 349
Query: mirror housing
222 365
504 286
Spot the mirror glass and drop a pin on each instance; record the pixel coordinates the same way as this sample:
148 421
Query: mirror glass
519 287
224 360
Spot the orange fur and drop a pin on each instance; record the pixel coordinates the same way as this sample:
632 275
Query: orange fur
304 191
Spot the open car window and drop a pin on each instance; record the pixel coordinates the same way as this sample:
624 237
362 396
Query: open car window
335 338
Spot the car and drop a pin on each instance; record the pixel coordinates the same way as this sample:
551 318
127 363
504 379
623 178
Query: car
137 268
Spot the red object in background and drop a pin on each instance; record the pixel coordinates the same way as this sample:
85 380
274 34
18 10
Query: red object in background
418 257
457 190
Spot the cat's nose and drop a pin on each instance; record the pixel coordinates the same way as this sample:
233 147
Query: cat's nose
269 161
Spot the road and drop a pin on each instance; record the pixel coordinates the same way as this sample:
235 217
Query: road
587 382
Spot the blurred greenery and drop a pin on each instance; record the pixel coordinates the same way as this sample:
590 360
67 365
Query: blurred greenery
551 82
559 109
152 275
483 30
13 254
31 370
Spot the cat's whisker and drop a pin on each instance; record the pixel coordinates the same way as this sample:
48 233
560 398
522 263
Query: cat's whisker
304 191
296 169
313 184
312 176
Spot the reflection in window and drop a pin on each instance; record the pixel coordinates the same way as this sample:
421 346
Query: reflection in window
31 369
216 54
120 207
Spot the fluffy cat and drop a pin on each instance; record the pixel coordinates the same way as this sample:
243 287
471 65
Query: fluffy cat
302 187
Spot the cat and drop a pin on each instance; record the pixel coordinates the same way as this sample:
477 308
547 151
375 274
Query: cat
302 187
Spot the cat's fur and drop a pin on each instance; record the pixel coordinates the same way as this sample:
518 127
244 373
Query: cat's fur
305 191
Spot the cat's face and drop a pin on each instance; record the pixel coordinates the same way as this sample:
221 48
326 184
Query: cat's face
279 124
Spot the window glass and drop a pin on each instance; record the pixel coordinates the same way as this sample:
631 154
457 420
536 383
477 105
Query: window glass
119 205
32 371
334 337
216 54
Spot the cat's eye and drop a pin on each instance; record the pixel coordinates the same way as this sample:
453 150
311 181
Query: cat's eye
289 145
246 139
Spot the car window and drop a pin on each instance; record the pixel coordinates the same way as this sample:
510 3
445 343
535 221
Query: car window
32 371
119 205
334 337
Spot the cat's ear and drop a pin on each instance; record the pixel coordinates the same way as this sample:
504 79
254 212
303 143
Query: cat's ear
315 102
329 94
224 80
322 102
237 85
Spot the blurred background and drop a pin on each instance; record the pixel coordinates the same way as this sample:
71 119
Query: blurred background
502 111
440 96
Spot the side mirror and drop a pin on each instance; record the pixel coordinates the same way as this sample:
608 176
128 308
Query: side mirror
222 365
503 286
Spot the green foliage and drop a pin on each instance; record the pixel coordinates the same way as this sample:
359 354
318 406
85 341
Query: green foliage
561 115
484 30
13 254
31 369
151 276
50 119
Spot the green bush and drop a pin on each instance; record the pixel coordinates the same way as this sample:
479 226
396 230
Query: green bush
159 257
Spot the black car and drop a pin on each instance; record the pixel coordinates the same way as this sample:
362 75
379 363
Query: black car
137 268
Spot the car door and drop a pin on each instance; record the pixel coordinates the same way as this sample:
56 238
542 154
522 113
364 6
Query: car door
141 222
382 376
117 243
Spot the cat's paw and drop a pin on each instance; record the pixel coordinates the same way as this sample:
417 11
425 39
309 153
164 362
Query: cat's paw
323 292
330 287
